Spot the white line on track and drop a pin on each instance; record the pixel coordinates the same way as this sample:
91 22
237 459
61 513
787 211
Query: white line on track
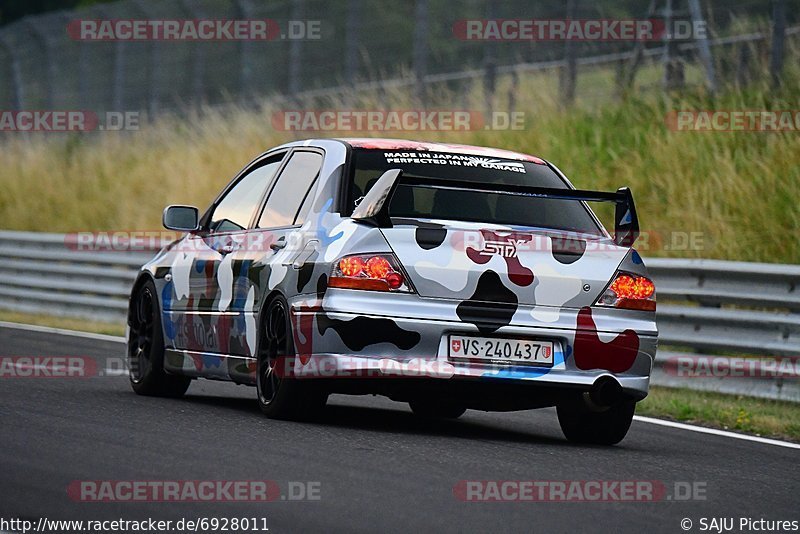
62 332
651 420
715 432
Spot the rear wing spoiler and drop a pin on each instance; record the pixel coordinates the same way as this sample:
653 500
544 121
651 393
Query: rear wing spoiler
374 207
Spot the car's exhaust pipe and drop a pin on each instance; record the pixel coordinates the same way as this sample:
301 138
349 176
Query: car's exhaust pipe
606 391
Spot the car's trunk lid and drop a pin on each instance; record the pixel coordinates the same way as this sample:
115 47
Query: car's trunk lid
491 263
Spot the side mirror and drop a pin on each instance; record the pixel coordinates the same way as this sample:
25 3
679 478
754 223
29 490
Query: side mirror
626 222
181 218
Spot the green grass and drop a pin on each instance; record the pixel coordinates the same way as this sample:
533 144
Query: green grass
736 190
760 417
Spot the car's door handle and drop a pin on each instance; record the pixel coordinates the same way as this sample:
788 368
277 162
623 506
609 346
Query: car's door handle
279 244
227 249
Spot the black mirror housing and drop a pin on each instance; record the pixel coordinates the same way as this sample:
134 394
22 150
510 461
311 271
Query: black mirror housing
181 218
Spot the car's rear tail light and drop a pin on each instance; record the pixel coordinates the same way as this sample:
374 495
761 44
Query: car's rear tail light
352 266
373 272
630 291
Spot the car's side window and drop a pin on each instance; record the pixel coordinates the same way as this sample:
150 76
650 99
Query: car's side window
291 190
306 206
236 209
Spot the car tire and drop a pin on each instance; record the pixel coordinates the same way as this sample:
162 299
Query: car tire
583 423
429 409
280 396
146 348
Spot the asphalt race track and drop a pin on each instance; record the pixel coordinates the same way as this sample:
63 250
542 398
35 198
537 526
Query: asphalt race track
376 466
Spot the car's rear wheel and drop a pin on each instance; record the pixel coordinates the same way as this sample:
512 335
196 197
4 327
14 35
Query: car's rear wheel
431 409
281 396
582 422
146 348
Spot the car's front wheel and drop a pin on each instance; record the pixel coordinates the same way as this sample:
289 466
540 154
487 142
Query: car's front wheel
146 348
583 422
281 396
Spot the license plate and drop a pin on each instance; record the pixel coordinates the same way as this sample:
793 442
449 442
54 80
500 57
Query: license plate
501 350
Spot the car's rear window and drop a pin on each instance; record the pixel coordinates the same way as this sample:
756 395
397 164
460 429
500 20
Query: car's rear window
464 205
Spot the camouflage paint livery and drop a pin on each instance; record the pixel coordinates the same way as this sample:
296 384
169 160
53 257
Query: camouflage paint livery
211 301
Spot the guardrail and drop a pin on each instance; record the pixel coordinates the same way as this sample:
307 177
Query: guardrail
766 297
712 306
728 307
55 275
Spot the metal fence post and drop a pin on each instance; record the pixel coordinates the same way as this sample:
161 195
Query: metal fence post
420 55
512 91
569 71
198 55
17 90
705 49
245 8
295 51
778 38
118 84
490 65
352 25
105 78
636 60
153 93
673 77
42 38
119 76
743 68
83 74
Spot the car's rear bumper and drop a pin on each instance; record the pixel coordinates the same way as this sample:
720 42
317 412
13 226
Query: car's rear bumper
399 337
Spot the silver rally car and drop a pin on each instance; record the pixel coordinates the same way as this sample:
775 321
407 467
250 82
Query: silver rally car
446 276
